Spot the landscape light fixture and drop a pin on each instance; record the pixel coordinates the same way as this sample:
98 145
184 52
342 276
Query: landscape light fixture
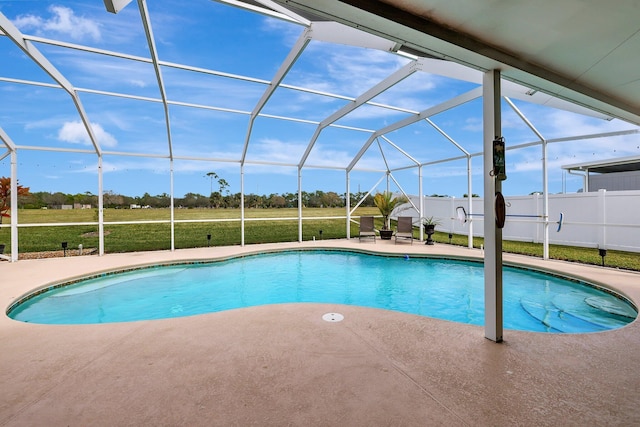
320 232
208 240
450 237
603 253
64 248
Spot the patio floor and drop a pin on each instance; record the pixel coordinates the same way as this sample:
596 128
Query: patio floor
283 365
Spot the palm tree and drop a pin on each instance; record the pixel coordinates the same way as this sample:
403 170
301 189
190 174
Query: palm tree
386 203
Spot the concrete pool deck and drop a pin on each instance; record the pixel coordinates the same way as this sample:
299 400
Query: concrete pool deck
283 365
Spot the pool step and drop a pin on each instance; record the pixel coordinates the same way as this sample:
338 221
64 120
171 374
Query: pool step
557 319
578 306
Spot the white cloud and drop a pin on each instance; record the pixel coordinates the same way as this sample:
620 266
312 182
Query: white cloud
289 32
75 133
345 70
274 150
473 124
62 21
138 83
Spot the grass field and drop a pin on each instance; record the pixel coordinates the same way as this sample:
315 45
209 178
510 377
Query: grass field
225 231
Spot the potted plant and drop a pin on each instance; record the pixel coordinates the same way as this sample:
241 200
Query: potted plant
429 224
386 203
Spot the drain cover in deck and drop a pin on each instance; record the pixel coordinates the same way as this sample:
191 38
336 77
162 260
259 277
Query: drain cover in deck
332 317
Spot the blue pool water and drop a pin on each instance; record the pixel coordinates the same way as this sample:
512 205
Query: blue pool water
445 289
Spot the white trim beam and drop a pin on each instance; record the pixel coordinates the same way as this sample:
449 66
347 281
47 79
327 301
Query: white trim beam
337 33
444 106
384 158
6 140
443 133
286 13
14 206
185 68
32 52
286 65
146 22
115 6
398 76
400 150
274 12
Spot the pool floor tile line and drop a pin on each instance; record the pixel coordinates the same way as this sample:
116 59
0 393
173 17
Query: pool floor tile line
284 365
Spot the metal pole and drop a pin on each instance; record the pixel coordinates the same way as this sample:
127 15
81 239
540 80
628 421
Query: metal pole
493 322
14 206
242 205
299 204
347 204
470 204
421 195
173 225
100 207
545 201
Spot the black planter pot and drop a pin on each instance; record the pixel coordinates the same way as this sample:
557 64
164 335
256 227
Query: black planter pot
429 229
386 234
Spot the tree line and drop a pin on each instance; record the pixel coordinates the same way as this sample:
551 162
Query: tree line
316 199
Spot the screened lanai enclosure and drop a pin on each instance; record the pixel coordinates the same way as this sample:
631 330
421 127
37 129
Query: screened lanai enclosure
415 97
151 96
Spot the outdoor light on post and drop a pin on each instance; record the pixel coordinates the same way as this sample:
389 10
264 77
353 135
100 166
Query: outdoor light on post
450 237
603 253
320 233
64 248
208 240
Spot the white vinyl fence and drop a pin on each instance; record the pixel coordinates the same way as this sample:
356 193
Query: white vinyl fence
603 219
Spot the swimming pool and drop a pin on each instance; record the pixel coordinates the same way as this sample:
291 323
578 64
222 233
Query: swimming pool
441 288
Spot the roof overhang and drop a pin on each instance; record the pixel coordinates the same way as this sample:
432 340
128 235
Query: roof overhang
584 53
621 164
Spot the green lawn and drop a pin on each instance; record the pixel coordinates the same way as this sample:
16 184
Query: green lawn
619 259
226 232
141 237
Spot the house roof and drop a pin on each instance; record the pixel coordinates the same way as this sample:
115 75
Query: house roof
621 164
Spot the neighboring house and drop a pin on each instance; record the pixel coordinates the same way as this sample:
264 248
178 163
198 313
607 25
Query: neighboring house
619 174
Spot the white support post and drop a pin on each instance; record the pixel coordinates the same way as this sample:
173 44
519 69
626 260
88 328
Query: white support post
421 201
586 181
172 207
100 207
545 201
470 204
493 322
299 204
347 204
242 205
14 206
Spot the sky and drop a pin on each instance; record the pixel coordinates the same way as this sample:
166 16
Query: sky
209 118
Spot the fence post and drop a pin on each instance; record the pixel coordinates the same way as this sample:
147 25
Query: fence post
453 214
602 218
535 199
